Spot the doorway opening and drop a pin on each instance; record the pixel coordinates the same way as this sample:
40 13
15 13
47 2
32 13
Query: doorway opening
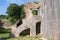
25 32
19 23
38 26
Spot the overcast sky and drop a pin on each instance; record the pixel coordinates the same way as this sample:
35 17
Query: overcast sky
5 3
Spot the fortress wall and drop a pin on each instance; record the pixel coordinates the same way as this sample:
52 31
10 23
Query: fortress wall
57 10
50 24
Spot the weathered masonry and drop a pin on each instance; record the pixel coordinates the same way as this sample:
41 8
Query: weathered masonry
48 15
50 25
31 21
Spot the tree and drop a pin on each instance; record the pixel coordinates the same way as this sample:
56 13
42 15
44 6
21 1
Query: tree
22 11
15 12
2 16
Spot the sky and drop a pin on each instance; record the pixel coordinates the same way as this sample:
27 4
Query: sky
5 3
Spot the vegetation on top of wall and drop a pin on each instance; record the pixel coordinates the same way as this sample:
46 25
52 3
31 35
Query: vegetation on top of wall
34 12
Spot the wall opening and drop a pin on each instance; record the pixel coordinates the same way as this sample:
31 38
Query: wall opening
19 23
34 12
25 32
38 26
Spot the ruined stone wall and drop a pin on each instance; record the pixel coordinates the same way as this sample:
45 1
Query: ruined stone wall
28 22
6 23
50 24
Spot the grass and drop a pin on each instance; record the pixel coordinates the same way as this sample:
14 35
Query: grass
5 36
25 38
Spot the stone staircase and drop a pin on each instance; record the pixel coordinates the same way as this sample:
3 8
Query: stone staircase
18 30
25 25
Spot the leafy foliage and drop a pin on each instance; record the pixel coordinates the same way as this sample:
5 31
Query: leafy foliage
12 20
1 24
3 16
15 12
34 12
22 11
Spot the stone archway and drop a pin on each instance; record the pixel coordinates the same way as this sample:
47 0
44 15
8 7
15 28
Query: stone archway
25 32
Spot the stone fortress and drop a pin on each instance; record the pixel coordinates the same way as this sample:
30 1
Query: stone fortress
48 19
29 22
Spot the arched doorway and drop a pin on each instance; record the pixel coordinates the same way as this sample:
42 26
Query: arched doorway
25 32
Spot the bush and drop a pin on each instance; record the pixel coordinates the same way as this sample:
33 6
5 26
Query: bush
1 26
